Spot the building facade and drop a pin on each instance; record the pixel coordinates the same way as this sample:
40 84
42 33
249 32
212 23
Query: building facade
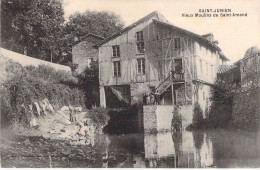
151 55
83 52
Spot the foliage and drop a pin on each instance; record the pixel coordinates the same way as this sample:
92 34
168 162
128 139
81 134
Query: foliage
89 83
197 119
176 120
32 27
103 24
197 115
221 108
49 74
27 85
99 116
37 28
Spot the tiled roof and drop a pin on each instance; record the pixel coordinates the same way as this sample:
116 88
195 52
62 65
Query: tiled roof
225 68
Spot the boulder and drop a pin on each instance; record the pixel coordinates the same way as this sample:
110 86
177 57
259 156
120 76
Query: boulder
33 122
38 109
49 107
65 108
78 109
43 107
27 142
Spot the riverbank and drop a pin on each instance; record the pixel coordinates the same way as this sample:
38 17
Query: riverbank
39 152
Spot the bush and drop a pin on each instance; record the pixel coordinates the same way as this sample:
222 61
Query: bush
197 119
21 85
197 115
221 108
99 116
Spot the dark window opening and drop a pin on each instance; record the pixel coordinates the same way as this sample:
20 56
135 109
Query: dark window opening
177 43
117 71
139 36
140 47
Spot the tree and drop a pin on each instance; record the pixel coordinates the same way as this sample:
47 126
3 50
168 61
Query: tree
89 82
221 107
103 24
32 27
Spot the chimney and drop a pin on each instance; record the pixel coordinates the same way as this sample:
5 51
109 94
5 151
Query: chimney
209 37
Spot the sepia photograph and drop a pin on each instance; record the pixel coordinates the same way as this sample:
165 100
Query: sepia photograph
130 84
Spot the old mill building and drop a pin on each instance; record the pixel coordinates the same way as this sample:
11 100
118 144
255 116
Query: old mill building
154 55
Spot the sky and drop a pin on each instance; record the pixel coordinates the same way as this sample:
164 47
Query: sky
234 34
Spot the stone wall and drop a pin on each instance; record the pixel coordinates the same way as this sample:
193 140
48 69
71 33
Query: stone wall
158 118
149 118
27 61
164 117
246 108
83 53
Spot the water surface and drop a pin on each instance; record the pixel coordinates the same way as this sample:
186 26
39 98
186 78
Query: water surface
220 148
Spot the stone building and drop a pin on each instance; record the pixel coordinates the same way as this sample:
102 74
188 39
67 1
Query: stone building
249 68
154 55
245 72
83 52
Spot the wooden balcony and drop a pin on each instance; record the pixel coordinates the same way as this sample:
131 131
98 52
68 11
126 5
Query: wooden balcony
171 79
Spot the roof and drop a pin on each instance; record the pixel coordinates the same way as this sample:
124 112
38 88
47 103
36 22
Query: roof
246 57
199 37
225 68
88 35
162 20
155 13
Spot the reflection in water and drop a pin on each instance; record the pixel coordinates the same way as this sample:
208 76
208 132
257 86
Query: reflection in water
188 150
158 147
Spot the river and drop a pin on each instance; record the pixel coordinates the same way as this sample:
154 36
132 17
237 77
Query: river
218 148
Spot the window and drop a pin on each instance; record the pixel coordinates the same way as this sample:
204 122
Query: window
201 67
140 47
140 42
117 71
141 66
243 69
116 51
139 36
177 43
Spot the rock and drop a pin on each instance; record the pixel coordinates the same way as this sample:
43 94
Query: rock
112 158
66 151
65 108
27 142
38 144
78 109
63 130
52 148
43 107
33 122
30 107
38 109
